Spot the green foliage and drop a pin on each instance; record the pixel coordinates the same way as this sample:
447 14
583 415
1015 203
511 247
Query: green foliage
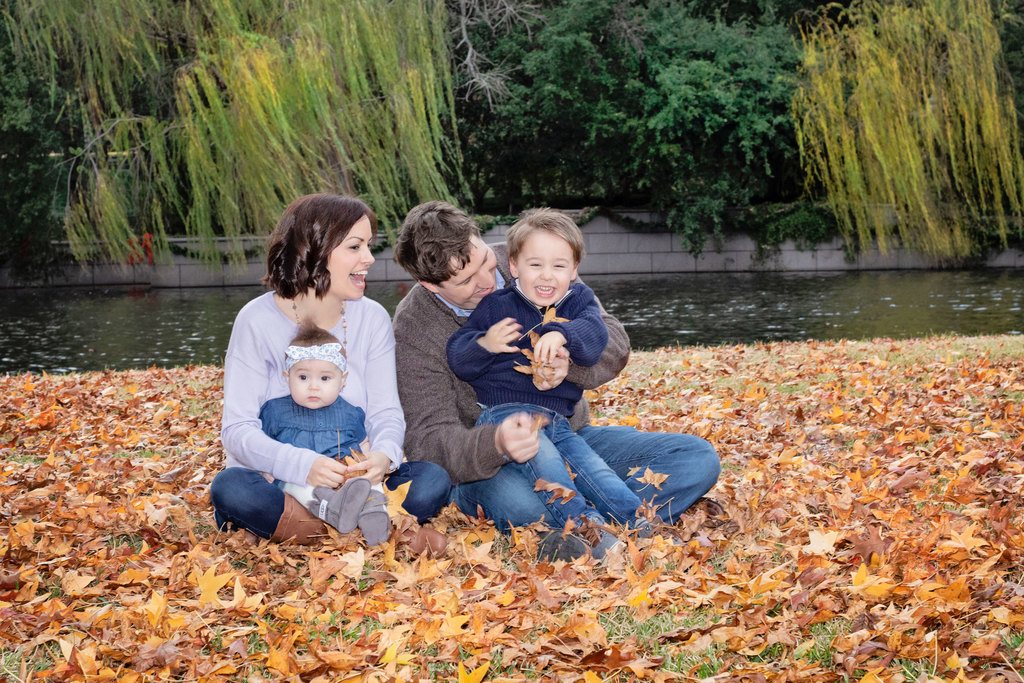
805 223
904 117
206 118
636 103
31 182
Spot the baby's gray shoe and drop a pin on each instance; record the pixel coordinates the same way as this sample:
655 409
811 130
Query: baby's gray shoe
340 507
373 519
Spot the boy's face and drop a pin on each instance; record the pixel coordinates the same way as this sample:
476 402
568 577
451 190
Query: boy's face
315 383
545 267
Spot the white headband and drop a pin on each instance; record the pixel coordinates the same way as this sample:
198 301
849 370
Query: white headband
332 353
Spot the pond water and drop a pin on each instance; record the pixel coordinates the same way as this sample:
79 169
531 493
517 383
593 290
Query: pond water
63 330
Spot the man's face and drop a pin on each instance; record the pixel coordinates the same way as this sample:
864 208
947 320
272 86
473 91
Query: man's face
472 282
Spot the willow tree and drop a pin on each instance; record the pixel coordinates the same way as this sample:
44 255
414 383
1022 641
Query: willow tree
905 117
207 117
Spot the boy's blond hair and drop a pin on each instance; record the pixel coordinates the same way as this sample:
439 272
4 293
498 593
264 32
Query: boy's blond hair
555 222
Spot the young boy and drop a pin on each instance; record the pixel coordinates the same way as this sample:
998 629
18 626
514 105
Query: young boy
314 416
545 248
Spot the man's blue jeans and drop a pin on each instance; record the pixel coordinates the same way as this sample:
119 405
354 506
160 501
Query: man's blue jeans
242 498
690 462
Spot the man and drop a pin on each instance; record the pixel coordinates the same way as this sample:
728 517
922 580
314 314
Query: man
440 246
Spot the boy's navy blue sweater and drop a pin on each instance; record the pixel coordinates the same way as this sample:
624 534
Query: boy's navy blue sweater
493 375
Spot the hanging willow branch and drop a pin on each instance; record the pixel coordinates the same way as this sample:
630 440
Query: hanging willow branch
208 117
904 119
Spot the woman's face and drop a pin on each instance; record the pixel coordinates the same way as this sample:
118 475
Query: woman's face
350 260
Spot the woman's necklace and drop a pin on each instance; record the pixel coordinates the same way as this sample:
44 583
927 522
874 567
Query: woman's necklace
344 322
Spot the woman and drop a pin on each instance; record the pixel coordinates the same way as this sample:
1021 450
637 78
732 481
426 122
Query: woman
317 259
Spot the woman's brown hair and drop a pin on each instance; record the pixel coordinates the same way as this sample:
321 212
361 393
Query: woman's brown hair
309 230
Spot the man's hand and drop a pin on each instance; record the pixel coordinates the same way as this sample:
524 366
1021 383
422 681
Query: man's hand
500 336
516 438
549 376
548 346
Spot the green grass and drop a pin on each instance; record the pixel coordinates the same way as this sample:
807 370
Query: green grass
696 665
25 459
41 658
819 650
133 541
913 669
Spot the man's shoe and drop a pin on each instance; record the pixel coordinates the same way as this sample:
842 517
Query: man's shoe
603 544
557 545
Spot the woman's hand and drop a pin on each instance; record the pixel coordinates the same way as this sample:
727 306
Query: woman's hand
373 468
327 472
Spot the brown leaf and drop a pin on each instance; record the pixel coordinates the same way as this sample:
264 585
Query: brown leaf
158 653
870 544
558 492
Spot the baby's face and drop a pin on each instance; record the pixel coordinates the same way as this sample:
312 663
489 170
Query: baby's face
315 383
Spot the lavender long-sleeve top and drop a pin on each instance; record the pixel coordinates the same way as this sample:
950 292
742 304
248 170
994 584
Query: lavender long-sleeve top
254 373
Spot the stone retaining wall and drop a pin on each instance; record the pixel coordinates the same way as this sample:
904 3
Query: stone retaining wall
611 249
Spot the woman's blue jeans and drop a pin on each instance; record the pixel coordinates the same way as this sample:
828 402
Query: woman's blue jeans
690 463
243 498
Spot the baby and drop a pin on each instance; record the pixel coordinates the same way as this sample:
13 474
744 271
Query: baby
315 416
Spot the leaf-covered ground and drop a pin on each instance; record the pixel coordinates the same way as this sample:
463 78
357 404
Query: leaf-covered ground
874 490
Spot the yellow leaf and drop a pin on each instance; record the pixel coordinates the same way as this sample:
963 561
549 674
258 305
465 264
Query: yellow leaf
474 676
155 608
506 598
453 625
279 660
872 586
209 583
591 677
837 414
872 676
74 584
391 655
396 499
639 599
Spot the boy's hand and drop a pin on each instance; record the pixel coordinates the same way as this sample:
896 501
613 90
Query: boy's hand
548 345
500 336
548 376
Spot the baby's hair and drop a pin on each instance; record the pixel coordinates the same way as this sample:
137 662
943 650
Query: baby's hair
311 335
547 220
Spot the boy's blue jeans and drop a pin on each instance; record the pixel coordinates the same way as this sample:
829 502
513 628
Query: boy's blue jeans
691 463
600 493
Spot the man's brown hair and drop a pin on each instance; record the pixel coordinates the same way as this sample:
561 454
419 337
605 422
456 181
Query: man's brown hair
301 244
557 223
434 242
